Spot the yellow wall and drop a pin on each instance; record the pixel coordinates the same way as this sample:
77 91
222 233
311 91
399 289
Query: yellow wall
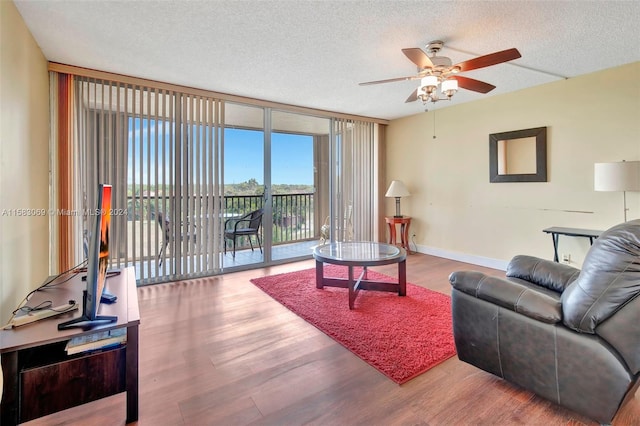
24 160
457 213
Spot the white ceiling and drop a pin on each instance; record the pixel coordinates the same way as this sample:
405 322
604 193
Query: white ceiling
314 53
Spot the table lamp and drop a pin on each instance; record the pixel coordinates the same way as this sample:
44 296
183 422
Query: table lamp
397 190
620 176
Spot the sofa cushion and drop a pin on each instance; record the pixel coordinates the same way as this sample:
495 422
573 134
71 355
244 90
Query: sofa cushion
609 279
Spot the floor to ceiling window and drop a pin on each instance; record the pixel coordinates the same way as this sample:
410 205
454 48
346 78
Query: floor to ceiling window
184 166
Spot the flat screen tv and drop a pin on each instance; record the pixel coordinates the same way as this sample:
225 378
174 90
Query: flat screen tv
97 263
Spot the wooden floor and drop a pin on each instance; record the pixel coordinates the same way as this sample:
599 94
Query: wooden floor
219 351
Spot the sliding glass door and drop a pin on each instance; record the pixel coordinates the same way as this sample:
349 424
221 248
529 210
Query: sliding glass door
299 182
273 161
244 186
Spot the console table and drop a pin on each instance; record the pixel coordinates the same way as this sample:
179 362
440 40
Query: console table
40 378
556 231
405 222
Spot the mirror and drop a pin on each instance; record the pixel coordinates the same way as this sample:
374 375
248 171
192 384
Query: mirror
518 156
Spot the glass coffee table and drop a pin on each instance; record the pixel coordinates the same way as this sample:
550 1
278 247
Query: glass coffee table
360 254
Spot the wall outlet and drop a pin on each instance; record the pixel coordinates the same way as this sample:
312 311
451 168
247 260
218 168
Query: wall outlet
566 258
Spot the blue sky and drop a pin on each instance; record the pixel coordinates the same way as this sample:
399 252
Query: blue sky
291 155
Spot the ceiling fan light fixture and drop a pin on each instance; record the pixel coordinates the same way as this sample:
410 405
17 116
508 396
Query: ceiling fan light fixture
449 87
434 71
429 83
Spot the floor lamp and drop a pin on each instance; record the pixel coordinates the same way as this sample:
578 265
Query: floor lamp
621 176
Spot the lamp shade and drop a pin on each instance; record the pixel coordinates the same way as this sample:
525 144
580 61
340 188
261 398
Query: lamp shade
429 81
397 189
449 85
619 176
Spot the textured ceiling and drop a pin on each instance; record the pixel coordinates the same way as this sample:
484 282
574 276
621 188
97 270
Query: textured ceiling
314 53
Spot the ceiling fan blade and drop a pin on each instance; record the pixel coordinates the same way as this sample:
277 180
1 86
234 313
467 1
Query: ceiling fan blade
418 57
490 59
390 80
412 97
475 85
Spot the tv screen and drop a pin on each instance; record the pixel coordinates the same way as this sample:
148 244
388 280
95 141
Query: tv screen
97 263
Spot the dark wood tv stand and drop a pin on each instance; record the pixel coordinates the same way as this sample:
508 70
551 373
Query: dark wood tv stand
40 378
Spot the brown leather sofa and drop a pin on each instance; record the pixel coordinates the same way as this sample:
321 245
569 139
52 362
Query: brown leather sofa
571 336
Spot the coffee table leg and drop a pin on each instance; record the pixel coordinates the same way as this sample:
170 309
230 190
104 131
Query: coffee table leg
352 290
319 274
402 278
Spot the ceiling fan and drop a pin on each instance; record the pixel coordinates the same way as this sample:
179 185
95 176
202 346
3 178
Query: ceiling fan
437 71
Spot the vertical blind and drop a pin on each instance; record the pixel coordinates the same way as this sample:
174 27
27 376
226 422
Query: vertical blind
161 151
354 175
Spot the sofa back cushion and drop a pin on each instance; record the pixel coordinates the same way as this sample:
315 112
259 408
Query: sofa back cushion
609 279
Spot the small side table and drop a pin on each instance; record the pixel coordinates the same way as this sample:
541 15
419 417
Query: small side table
405 222
556 231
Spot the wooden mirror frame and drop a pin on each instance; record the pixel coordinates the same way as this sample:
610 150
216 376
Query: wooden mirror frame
540 133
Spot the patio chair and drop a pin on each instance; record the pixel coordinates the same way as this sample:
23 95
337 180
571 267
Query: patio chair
165 228
347 226
244 226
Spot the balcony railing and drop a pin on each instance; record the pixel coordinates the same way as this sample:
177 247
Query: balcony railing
293 214
294 219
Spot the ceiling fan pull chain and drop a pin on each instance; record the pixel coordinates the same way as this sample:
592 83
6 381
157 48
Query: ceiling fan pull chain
434 124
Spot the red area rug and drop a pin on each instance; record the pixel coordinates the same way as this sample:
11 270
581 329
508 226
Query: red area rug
402 337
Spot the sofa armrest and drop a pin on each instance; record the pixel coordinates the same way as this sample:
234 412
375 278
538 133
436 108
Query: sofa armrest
545 273
509 295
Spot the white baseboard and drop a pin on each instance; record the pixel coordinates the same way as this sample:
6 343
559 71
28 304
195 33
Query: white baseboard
464 257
